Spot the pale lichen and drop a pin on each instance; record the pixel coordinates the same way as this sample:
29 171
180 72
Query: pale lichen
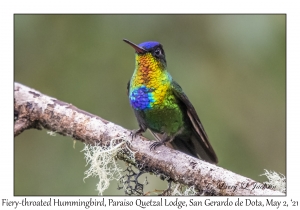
103 162
277 181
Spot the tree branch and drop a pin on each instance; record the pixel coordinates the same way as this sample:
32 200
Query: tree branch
35 110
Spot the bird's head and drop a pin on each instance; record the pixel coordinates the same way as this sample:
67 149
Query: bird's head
149 52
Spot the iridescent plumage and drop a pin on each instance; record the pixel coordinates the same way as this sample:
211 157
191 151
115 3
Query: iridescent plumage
160 104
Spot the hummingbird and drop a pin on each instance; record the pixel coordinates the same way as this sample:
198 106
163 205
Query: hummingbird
161 106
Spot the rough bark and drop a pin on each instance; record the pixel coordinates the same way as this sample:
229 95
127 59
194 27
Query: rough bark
35 110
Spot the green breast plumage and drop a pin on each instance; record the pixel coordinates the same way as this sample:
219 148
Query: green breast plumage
164 119
157 106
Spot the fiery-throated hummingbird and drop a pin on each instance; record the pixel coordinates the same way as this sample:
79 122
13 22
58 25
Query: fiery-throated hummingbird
161 106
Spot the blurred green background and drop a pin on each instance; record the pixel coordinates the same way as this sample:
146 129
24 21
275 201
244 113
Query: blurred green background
232 67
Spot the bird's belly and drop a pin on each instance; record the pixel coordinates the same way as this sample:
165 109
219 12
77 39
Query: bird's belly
157 108
164 119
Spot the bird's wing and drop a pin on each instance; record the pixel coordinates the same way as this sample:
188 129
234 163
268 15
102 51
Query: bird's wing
205 149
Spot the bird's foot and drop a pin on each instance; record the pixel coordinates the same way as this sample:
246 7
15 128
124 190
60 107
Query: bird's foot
134 133
156 144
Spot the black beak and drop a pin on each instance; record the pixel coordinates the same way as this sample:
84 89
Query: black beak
136 47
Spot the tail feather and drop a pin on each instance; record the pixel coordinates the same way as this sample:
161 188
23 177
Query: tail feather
193 147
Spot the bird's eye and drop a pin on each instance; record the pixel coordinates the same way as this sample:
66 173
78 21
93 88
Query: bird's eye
157 52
